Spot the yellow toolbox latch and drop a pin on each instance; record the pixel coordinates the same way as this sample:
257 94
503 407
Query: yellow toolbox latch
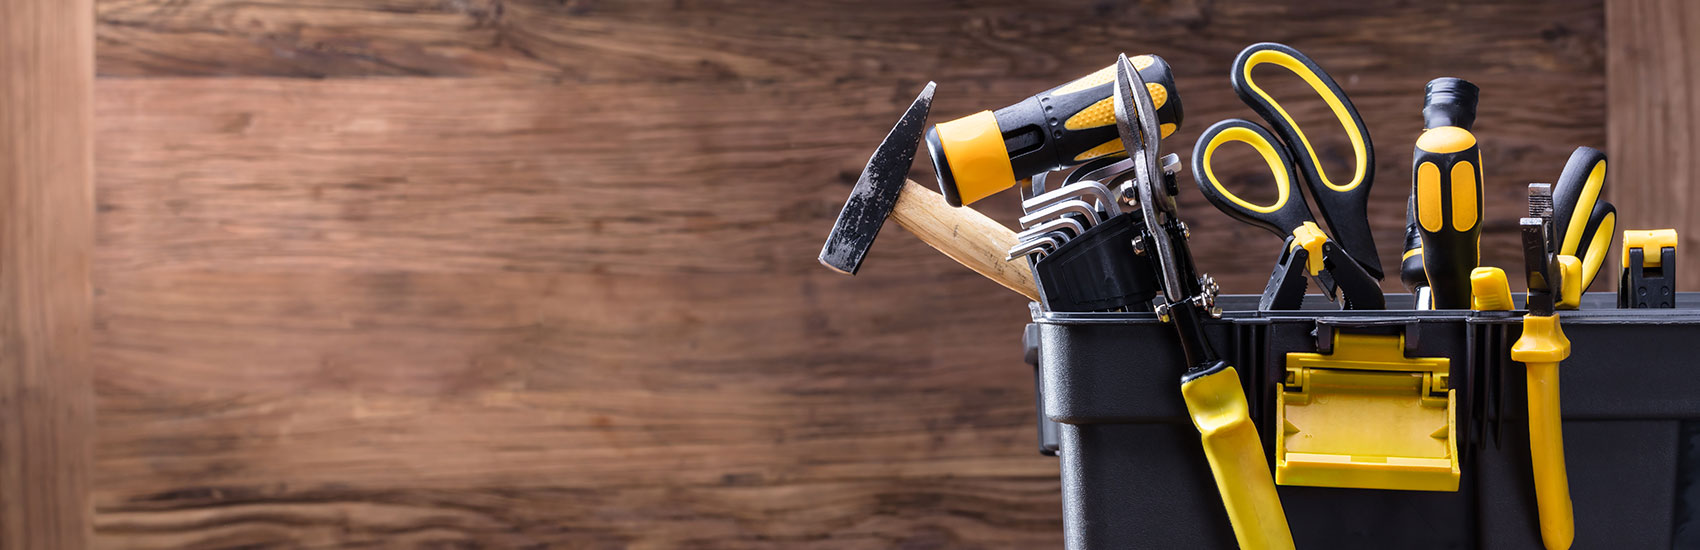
1367 417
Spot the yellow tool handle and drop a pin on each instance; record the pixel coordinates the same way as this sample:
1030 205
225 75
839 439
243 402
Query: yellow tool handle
964 234
1218 407
1449 211
1540 349
1447 188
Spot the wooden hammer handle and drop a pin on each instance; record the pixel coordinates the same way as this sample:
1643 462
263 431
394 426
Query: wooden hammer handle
967 236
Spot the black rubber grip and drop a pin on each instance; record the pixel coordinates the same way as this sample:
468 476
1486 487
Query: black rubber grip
1075 122
1411 267
1449 207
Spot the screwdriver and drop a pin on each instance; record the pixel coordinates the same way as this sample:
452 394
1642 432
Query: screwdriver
981 154
1411 265
1447 185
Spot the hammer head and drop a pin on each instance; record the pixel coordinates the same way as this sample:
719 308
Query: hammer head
875 193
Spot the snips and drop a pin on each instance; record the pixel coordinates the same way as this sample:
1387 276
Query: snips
1347 263
1214 395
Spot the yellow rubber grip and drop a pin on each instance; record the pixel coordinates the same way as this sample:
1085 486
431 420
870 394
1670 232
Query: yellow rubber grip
974 147
1489 290
1540 349
1218 407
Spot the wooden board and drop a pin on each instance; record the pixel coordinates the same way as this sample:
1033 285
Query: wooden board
553 279
1653 112
46 240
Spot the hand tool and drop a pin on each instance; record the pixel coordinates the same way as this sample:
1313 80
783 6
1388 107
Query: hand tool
1584 223
1541 348
1649 269
981 154
1349 263
1411 264
883 191
1446 182
1069 216
1210 386
1061 207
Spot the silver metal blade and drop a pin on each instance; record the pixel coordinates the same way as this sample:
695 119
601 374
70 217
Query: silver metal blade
1136 121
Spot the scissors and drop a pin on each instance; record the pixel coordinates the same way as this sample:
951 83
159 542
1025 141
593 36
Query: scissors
1348 261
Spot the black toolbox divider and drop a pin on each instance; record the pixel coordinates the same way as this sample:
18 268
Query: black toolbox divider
1134 474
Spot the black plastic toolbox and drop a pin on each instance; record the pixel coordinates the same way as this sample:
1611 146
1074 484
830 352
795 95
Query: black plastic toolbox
1134 474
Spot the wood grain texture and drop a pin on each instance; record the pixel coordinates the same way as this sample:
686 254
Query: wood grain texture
46 241
1652 125
553 281
977 242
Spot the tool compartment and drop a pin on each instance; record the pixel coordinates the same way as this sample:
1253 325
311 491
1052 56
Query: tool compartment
1134 473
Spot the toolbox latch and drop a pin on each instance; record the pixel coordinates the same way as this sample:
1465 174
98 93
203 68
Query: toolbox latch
1367 417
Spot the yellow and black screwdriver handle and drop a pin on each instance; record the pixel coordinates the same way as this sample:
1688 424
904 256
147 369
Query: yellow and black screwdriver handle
1447 185
1583 223
1342 202
1411 262
981 154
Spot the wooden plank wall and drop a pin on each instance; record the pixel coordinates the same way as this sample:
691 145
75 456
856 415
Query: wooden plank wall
46 245
513 272
1653 111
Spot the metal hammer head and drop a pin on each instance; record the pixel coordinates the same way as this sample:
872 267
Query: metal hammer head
875 193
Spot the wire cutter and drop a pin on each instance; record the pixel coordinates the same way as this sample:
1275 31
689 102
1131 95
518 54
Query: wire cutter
1346 263
1210 386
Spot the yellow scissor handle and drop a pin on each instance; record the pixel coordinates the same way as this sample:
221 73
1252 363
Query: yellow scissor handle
1218 407
1541 348
1282 217
1344 204
1330 92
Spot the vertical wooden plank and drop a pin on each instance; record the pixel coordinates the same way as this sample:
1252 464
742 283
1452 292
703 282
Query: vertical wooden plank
1651 120
46 239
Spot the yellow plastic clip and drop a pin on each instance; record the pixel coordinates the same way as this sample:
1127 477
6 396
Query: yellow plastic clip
1310 237
1489 290
1367 417
1649 241
1540 349
1570 282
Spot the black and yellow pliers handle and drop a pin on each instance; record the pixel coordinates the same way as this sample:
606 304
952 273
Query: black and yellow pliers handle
1210 387
1583 222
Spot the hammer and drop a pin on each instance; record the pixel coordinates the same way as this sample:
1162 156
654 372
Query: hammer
884 191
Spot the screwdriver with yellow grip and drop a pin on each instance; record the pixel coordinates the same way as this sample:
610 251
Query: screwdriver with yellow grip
1447 188
978 155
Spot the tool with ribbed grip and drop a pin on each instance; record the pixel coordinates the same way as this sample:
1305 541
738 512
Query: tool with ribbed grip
1411 263
1447 186
1583 222
981 154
